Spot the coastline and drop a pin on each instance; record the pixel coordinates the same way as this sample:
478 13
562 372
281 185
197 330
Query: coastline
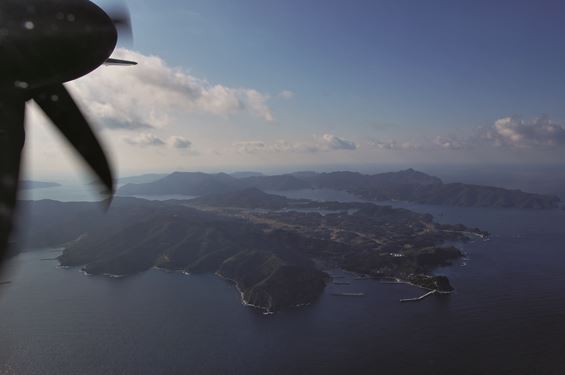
244 302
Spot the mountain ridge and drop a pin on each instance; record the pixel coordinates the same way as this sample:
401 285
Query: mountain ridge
407 185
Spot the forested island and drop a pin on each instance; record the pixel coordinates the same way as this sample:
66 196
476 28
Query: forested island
276 250
408 185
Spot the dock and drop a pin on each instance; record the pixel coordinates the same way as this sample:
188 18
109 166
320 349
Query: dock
419 298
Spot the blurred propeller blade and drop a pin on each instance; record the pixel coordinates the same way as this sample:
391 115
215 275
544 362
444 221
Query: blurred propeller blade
119 13
60 107
12 136
112 61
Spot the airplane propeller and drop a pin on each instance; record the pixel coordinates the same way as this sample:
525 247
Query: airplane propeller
120 15
58 41
60 107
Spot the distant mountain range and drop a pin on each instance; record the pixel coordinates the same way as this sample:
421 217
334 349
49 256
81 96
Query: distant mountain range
245 174
408 185
152 177
142 179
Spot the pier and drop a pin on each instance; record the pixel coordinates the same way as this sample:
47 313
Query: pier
419 298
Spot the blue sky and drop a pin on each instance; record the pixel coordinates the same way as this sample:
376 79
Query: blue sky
432 63
401 80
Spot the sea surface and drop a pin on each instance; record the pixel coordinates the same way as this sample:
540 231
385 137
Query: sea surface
507 315
83 193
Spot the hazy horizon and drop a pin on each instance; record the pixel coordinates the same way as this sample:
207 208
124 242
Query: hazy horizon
544 179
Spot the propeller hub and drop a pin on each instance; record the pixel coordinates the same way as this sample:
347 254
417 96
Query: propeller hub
44 42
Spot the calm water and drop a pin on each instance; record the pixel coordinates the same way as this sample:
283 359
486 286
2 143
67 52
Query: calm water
83 193
68 192
507 316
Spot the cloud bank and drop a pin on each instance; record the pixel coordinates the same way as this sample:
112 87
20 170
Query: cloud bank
144 140
151 140
179 142
333 142
392 145
515 132
150 94
511 133
328 142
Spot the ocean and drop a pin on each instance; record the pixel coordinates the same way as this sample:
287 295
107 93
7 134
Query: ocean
507 315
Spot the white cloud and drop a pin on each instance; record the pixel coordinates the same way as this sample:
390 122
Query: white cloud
179 142
518 133
287 94
151 93
280 146
144 140
438 143
333 142
393 145
251 147
328 142
450 143
149 139
507 132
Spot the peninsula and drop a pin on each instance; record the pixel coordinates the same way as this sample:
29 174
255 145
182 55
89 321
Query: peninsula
275 249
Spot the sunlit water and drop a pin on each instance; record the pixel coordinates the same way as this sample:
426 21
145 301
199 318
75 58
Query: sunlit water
506 317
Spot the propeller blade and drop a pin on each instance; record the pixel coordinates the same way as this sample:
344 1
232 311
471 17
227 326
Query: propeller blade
119 13
12 137
112 61
60 107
